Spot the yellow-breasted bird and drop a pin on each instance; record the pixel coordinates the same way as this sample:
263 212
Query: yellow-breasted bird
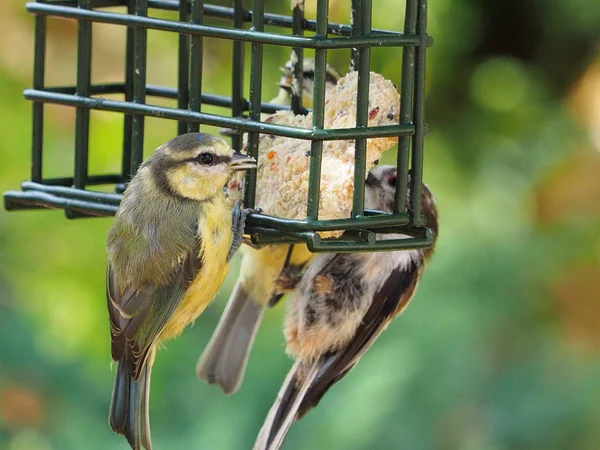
168 253
266 274
341 306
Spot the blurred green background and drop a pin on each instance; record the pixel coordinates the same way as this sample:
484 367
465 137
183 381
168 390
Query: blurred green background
500 348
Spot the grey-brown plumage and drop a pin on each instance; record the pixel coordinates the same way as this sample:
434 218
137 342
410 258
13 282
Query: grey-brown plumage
171 233
342 305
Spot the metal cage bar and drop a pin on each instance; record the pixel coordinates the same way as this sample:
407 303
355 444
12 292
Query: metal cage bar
406 108
183 67
223 12
69 193
37 119
316 147
238 103
362 108
253 36
258 25
82 115
196 54
215 120
128 91
139 87
419 117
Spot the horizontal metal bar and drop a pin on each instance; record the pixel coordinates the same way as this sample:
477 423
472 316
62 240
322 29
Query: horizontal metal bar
104 88
345 246
212 119
167 92
82 203
277 20
95 3
17 200
223 12
381 220
92 180
315 42
375 220
266 236
93 196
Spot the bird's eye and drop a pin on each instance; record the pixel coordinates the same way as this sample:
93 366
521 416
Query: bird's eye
205 158
392 180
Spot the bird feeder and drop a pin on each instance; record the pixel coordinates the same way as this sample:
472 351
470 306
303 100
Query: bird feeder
78 198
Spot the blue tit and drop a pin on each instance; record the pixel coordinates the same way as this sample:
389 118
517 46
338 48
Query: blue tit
266 274
167 257
342 304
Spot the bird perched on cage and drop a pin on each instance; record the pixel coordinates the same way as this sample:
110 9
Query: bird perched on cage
341 306
266 274
168 253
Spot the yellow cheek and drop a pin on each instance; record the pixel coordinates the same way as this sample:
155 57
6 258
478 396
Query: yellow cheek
191 184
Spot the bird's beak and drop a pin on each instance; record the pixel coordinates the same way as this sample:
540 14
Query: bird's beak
242 162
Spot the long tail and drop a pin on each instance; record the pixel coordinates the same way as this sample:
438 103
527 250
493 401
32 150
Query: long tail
225 358
285 409
129 406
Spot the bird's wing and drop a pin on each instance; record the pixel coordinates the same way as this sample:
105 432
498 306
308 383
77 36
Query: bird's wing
390 300
137 317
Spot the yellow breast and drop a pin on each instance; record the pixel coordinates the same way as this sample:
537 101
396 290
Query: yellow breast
261 267
214 231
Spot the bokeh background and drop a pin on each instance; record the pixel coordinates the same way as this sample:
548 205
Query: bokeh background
499 350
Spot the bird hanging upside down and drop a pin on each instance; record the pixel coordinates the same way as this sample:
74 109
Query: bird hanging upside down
341 306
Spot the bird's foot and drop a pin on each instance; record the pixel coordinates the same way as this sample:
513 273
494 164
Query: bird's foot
289 278
238 224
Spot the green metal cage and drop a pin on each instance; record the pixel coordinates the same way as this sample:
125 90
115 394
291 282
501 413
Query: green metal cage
76 196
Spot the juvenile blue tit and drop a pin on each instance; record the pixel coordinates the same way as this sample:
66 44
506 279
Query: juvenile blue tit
167 257
266 274
342 304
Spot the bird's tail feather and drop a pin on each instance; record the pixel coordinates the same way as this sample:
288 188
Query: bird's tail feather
225 358
129 413
285 409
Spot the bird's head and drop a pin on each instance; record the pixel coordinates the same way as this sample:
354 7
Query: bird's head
308 80
380 191
194 166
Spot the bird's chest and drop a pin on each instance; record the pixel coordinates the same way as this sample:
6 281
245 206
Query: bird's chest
214 231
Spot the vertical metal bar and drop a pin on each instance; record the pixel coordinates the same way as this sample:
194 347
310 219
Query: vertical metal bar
139 87
196 46
39 71
237 73
362 112
82 115
316 148
355 19
183 95
406 105
298 59
128 118
258 11
419 116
